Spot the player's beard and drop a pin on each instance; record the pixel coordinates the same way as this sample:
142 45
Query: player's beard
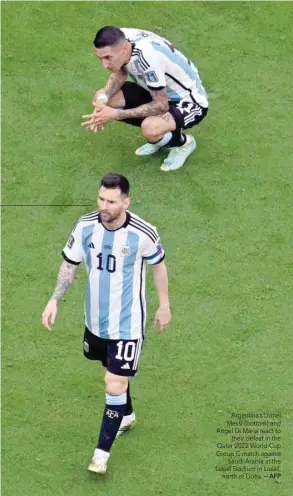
110 219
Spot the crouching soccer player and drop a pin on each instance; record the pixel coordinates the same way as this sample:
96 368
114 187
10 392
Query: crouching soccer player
115 246
165 98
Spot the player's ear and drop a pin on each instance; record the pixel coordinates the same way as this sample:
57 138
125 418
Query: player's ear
124 46
126 202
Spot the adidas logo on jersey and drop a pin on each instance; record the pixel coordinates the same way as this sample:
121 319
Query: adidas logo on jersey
91 245
126 366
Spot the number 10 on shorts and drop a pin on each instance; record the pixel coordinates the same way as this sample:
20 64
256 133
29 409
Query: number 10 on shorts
126 350
129 351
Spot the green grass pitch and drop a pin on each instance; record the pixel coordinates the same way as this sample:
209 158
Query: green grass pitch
224 220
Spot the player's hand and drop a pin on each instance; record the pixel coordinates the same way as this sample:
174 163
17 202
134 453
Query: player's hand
100 116
49 314
162 318
97 104
95 127
91 124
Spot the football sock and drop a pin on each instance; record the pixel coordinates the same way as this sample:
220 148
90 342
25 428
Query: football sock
178 139
129 409
113 414
164 140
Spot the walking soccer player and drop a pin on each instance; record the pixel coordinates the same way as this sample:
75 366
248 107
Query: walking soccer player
166 97
115 246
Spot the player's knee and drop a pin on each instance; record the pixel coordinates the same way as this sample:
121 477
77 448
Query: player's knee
151 129
115 384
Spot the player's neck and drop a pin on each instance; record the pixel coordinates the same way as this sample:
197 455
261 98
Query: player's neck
116 223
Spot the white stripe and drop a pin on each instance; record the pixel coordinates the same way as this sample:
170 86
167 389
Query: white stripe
143 61
153 237
193 113
187 121
93 280
197 110
139 345
86 218
148 226
137 353
141 229
191 117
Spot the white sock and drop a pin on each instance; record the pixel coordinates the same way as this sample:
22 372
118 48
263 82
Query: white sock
104 454
163 141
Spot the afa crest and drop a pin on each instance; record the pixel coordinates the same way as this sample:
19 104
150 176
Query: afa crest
125 251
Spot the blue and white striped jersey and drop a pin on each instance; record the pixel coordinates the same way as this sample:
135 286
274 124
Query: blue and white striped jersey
115 306
155 64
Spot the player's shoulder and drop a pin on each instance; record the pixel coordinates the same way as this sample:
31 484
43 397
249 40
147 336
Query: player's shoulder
145 46
145 55
136 35
86 219
142 227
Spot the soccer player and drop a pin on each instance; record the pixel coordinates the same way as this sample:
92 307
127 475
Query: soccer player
166 97
115 246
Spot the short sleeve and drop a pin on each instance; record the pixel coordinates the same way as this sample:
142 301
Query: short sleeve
153 251
153 67
73 250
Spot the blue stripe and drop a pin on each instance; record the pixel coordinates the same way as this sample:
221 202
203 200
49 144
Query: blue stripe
179 59
155 255
87 236
127 290
121 399
173 96
104 285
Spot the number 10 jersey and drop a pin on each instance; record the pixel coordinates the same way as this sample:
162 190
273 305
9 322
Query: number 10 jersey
115 305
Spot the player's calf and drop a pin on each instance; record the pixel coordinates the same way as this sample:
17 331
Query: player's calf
115 384
112 418
154 128
115 409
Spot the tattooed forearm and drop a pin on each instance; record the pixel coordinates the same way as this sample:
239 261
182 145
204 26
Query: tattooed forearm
114 83
66 276
152 108
158 106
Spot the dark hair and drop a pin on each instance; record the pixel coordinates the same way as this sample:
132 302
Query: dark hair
112 181
108 36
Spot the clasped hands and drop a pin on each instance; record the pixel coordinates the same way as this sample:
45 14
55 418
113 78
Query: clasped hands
101 115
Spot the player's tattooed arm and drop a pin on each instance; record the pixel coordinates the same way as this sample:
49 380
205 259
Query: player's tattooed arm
158 106
113 85
115 82
65 278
